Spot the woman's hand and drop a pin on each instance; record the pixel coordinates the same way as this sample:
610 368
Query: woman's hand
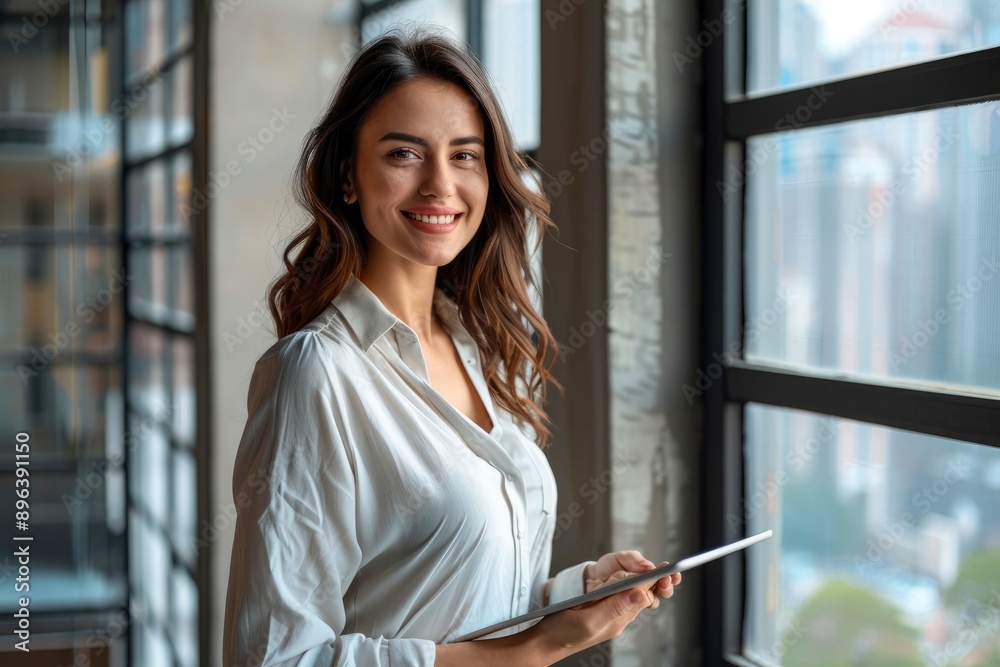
622 563
566 632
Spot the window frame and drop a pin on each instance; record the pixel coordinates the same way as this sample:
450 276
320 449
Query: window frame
731 117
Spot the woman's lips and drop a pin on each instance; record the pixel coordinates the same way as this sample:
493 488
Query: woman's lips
431 228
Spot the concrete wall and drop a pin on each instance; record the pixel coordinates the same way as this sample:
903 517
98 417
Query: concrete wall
273 69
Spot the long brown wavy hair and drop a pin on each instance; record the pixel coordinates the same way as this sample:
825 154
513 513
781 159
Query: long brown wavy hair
490 277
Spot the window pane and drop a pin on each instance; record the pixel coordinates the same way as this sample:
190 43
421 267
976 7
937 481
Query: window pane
180 23
147 199
146 127
182 367
182 274
181 87
185 621
180 213
149 267
149 470
185 505
75 562
450 15
60 300
147 380
145 28
793 43
511 52
872 247
886 547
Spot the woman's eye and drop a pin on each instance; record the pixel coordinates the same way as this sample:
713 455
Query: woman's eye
396 152
464 156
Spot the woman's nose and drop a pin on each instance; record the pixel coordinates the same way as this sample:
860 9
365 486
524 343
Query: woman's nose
438 179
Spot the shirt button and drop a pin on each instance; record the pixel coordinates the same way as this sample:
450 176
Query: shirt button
524 589
507 475
520 534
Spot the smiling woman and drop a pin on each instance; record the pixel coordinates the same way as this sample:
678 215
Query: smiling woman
398 421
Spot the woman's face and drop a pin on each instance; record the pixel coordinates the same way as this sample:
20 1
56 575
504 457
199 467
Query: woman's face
420 152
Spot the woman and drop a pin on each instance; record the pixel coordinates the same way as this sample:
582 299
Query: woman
391 485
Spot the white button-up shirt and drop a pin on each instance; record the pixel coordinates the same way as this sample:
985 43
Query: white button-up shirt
376 520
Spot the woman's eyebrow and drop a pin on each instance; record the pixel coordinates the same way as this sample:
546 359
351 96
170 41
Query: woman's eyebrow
459 141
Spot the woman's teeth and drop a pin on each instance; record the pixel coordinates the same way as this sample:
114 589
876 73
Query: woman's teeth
432 219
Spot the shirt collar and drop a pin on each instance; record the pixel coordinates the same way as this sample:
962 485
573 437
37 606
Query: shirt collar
370 319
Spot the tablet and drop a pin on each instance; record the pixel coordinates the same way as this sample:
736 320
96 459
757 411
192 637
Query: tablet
628 582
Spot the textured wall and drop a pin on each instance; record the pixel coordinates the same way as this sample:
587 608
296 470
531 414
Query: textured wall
653 312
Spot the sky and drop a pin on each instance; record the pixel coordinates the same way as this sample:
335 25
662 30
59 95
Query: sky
845 21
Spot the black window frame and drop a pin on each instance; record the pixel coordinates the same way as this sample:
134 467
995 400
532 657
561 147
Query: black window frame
730 118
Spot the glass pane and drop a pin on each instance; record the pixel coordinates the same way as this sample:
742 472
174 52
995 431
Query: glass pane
147 379
181 88
511 52
180 23
28 197
445 13
147 203
156 648
146 127
182 271
180 214
74 561
150 555
872 247
182 367
149 469
184 631
149 267
185 505
886 548
794 43
60 300
145 28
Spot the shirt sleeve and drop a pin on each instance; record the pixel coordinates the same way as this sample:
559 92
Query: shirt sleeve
296 548
568 583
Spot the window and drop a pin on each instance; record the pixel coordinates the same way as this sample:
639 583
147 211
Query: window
851 372
97 314
163 217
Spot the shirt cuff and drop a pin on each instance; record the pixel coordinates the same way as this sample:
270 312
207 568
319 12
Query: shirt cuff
568 583
409 652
